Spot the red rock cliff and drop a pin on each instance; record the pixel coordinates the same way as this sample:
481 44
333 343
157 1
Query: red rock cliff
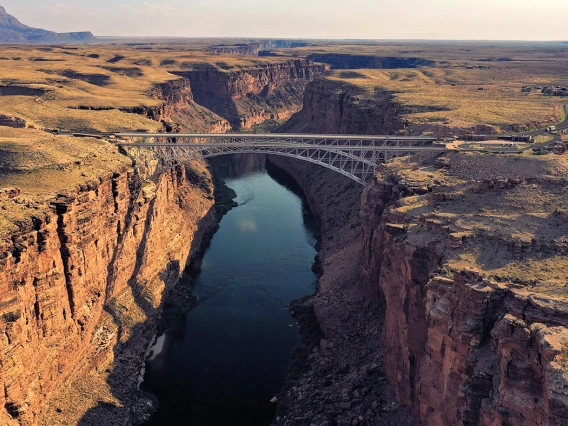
334 107
77 279
249 96
179 109
467 338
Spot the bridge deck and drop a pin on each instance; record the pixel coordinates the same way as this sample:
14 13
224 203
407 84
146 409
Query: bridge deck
275 136
284 145
356 157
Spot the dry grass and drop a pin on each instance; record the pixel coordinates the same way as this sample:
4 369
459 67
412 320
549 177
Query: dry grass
73 79
41 165
459 97
78 89
495 219
447 92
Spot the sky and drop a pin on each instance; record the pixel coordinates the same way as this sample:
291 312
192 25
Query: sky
337 19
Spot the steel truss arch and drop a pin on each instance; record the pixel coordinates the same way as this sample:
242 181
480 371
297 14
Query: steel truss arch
354 157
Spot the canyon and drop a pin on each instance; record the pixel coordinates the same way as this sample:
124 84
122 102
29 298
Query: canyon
438 287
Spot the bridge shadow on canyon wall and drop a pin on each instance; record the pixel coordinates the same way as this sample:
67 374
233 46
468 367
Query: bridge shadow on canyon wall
134 405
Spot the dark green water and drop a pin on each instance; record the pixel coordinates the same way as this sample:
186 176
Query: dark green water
230 355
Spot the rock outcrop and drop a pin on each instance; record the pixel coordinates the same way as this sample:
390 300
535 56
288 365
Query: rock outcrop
334 107
472 336
179 109
88 276
249 96
255 48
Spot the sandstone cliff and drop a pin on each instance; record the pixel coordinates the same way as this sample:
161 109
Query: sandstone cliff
83 280
473 281
178 109
251 95
334 107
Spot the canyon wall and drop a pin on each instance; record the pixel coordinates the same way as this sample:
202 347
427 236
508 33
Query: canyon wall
179 110
470 335
343 380
463 343
350 61
87 277
334 107
254 49
335 201
249 96
84 280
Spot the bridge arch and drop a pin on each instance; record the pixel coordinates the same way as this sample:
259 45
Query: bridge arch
356 157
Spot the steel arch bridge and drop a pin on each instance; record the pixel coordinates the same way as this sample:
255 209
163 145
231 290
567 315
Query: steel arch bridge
356 157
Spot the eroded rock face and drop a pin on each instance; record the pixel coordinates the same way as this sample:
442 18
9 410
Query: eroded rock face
69 278
180 111
255 49
333 107
460 347
8 121
252 95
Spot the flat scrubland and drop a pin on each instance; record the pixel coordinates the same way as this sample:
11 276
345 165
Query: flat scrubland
464 86
461 98
512 233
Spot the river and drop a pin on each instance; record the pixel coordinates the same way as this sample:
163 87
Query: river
223 362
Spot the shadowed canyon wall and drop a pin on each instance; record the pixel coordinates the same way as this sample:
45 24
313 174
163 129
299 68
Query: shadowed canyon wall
74 279
334 107
349 61
252 95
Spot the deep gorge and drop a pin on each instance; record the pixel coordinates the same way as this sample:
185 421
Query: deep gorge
405 338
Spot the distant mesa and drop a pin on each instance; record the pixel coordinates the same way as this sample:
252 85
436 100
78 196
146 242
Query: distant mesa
13 31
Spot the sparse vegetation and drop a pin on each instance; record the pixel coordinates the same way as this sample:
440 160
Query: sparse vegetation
455 91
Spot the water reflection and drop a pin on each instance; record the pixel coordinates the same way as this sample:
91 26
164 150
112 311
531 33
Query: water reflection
223 363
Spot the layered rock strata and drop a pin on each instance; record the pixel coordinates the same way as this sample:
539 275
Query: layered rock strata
337 379
179 110
86 278
334 107
467 325
255 48
249 96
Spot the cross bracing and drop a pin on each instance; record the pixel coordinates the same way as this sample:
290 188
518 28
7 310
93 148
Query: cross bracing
356 157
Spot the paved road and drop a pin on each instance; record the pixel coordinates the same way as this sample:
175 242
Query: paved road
276 145
495 148
564 124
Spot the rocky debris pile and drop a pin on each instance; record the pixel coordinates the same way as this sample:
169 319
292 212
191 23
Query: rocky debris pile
9 193
344 382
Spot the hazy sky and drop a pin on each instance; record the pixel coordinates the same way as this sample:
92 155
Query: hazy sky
429 19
